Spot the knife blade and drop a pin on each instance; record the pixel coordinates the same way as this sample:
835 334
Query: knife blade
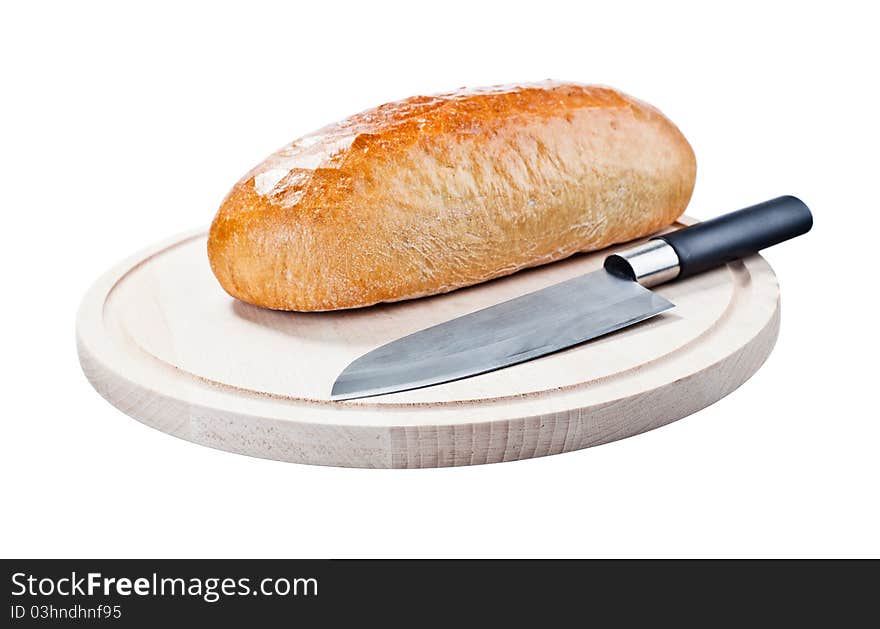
571 312
508 333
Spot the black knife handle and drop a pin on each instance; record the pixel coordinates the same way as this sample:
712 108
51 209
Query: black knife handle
738 234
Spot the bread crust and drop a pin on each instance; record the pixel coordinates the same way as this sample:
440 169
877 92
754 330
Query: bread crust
434 193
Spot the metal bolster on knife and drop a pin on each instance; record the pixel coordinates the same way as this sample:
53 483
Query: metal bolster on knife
650 263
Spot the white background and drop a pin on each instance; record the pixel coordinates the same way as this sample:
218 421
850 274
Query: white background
122 126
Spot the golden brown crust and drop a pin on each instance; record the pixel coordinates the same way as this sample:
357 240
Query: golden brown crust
434 193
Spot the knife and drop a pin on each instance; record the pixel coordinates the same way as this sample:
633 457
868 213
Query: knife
571 312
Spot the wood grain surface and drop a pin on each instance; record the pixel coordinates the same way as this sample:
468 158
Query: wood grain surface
161 341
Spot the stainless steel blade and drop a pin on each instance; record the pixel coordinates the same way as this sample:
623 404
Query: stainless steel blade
508 333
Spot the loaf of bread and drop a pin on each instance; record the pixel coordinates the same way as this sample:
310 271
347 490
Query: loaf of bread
433 193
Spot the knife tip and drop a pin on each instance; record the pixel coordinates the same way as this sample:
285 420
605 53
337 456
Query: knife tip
343 390
339 395
343 398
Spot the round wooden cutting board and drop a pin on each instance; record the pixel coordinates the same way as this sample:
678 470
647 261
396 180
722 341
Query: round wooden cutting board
159 338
